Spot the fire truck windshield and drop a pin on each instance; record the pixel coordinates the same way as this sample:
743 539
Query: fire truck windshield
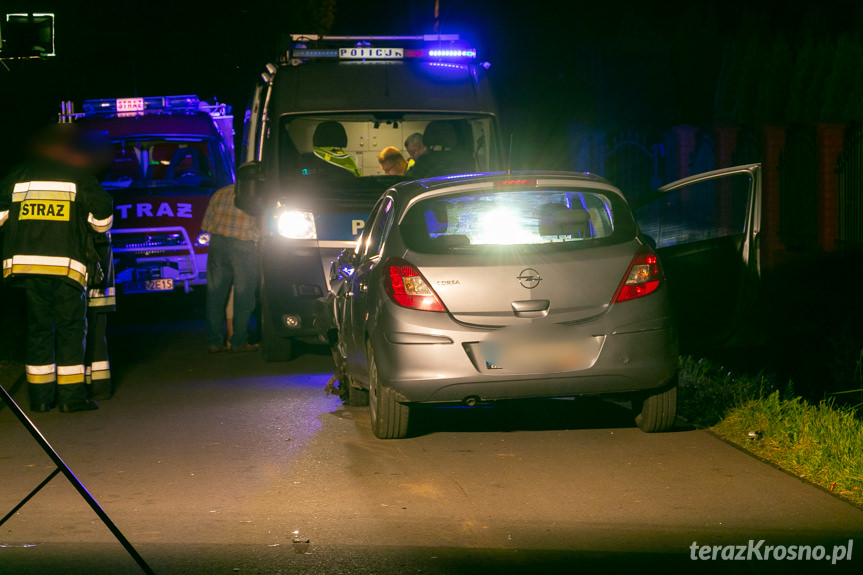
348 145
159 162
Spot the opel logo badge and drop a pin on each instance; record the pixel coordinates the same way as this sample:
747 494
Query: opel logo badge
529 278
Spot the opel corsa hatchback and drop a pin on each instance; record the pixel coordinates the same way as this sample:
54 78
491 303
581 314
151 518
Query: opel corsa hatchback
477 288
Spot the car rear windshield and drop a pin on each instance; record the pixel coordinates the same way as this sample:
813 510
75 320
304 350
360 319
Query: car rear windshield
552 218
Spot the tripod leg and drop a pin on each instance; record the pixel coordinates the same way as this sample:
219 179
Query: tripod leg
76 483
30 496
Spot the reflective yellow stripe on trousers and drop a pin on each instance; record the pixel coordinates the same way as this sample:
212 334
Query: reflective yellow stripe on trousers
70 374
40 373
99 370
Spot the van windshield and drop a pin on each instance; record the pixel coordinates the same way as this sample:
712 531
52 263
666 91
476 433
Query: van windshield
347 146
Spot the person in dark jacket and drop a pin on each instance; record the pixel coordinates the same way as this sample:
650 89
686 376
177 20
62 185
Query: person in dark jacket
48 205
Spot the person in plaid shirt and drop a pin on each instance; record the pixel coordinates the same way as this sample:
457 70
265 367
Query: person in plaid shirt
232 259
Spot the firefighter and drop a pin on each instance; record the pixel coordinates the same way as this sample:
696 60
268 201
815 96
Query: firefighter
48 205
101 300
101 296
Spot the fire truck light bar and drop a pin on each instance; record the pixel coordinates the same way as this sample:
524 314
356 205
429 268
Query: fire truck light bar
141 105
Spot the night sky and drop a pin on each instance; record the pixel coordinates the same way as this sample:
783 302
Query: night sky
610 65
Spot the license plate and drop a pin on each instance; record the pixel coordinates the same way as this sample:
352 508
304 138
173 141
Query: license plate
541 357
163 284
372 53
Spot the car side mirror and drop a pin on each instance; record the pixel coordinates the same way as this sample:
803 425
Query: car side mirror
344 265
249 190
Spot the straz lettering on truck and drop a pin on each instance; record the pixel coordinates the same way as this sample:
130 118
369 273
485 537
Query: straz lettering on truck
52 210
148 210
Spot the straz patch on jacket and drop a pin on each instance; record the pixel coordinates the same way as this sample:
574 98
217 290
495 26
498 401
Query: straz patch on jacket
53 210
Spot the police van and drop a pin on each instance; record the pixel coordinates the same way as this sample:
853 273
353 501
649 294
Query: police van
318 121
170 154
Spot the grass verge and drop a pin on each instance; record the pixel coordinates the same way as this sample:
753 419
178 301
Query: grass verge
822 443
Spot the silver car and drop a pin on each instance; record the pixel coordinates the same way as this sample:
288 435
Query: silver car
475 288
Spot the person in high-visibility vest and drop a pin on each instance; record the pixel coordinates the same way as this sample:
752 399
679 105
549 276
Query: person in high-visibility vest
329 140
48 205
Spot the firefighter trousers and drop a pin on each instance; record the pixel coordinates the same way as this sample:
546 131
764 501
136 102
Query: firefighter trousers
97 374
55 341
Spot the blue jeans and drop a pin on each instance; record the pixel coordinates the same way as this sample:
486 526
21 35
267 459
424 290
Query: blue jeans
230 261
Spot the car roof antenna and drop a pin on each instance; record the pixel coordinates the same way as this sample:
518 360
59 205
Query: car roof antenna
509 157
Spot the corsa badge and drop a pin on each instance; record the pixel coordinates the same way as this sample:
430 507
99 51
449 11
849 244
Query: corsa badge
51 210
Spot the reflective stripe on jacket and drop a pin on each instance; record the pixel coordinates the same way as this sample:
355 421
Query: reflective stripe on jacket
47 208
338 157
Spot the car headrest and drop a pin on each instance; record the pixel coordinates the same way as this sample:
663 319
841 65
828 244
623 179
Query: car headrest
558 220
440 133
330 135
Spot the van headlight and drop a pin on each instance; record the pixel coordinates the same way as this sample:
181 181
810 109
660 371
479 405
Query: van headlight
296 225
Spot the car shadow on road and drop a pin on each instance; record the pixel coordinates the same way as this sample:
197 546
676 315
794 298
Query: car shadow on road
524 415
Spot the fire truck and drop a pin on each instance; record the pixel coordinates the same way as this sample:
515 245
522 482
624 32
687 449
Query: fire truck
170 154
318 120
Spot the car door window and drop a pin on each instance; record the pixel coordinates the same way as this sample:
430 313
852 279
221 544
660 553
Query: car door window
378 228
705 210
705 230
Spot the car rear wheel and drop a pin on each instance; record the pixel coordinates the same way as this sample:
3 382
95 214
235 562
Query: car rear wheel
389 417
658 411
274 347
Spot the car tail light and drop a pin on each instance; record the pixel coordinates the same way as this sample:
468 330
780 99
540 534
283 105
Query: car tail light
643 276
407 287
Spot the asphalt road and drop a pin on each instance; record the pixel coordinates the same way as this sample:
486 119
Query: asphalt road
209 464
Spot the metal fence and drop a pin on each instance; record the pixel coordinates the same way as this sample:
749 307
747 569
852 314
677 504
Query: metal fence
849 171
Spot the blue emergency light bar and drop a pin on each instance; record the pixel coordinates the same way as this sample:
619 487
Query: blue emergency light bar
447 48
134 106
312 53
469 53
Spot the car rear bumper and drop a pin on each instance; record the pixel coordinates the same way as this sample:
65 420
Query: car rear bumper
640 359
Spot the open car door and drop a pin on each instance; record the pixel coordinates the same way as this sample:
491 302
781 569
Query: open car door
706 231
